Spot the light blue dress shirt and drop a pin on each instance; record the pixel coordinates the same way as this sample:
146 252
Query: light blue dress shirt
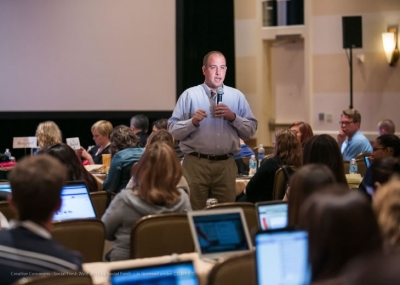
214 136
356 145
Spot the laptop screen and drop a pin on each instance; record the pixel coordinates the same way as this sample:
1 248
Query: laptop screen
282 257
76 203
180 273
219 232
272 215
5 187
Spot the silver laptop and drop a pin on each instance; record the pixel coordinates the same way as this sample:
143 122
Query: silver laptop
219 233
174 273
282 257
272 215
76 203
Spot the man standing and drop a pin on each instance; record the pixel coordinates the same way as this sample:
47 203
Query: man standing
209 133
386 126
356 142
27 247
140 126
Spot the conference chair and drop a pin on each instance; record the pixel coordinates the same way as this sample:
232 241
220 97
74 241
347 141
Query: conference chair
239 269
84 235
100 201
280 183
6 210
362 168
361 155
249 211
73 278
161 234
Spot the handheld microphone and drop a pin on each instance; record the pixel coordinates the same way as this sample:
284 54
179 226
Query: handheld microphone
220 92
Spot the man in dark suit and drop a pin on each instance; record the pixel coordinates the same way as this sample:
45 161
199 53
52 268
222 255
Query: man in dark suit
27 248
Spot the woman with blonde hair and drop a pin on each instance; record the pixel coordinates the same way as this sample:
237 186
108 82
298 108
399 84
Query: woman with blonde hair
101 131
155 175
287 151
48 133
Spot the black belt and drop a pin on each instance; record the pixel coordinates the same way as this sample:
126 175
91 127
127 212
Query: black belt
211 156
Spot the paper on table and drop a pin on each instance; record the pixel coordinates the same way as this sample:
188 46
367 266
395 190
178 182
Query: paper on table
74 143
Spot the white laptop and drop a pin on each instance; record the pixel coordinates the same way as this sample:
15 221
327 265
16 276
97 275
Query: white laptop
174 273
282 257
219 233
272 215
76 203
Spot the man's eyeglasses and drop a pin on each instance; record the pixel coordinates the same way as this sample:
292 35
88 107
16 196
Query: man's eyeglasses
345 122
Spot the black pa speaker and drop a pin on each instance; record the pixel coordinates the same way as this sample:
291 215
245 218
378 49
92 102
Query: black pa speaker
352 32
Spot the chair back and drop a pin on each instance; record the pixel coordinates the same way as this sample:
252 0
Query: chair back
65 279
346 164
100 201
6 210
161 234
362 168
84 235
249 211
239 269
280 184
361 155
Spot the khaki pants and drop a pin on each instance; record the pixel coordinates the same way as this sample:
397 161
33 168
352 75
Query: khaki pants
209 179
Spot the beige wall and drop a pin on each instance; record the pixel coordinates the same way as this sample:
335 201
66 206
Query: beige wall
295 81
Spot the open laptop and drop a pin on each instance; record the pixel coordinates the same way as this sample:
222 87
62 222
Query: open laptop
272 215
176 273
282 257
219 233
76 203
5 187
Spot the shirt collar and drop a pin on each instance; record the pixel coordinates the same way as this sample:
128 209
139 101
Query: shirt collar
31 226
208 90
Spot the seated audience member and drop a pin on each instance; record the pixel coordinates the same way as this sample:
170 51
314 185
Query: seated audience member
341 226
48 133
303 131
161 124
140 126
166 137
155 175
304 182
75 170
386 126
356 142
125 151
245 151
380 172
387 209
386 145
27 247
287 151
101 132
323 149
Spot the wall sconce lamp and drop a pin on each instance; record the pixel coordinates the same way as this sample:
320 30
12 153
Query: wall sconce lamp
390 45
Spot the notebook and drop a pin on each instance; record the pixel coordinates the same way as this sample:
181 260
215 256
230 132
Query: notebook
272 215
5 187
76 203
176 273
219 233
282 257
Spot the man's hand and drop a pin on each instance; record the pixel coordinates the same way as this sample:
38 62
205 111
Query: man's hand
198 117
223 111
341 137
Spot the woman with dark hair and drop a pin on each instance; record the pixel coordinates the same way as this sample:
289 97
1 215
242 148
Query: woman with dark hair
386 145
155 175
76 171
324 149
287 151
304 182
303 131
161 124
125 151
341 226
